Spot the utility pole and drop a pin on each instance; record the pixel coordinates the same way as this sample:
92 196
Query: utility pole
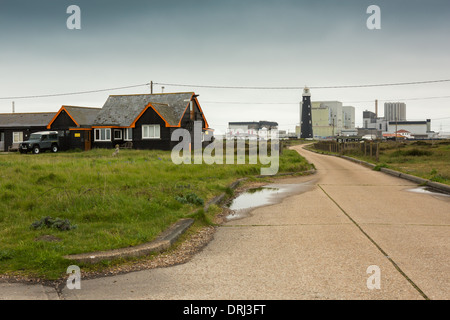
13 108
151 87
396 118
333 127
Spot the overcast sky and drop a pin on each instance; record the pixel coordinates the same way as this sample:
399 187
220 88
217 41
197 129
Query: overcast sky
229 43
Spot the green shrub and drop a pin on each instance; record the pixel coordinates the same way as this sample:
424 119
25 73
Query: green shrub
411 152
49 222
190 198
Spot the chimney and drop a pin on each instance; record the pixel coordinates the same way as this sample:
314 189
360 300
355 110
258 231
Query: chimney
376 108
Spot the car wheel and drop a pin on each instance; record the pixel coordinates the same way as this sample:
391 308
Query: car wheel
36 149
54 148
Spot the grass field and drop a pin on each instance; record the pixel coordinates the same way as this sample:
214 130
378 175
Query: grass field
102 202
425 159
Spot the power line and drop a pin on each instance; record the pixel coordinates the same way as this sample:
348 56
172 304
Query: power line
72 93
299 88
237 87
296 103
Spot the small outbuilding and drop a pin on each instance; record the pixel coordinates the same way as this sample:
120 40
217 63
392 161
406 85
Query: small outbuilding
17 127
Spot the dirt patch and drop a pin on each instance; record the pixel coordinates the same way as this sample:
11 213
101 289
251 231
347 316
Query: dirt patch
48 238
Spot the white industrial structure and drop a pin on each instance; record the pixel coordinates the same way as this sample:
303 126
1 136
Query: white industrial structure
394 121
395 111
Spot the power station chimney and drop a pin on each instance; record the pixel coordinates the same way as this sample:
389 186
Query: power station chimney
376 108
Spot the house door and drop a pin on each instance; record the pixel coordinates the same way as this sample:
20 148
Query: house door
87 140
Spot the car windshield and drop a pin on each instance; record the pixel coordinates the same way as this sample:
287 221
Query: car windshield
35 137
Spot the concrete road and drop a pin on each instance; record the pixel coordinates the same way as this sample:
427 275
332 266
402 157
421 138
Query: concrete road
318 244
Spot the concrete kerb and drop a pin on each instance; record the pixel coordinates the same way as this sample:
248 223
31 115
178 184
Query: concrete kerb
163 242
425 182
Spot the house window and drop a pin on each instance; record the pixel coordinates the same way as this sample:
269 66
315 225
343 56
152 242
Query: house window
103 134
17 137
117 134
128 134
151 131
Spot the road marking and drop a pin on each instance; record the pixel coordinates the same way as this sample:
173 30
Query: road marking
378 247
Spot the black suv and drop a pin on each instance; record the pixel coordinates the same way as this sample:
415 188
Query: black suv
46 140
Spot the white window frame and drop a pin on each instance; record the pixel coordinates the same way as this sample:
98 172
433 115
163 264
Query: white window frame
114 133
128 134
156 132
20 136
107 132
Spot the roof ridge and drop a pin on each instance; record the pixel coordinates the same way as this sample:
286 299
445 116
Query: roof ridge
81 107
149 94
51 112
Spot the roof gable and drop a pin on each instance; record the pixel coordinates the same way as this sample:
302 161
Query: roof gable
81 116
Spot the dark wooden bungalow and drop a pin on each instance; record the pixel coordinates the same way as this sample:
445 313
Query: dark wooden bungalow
17 127
146 121
74 125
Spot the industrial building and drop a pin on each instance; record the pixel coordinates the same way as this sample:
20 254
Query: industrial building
331 118
394 122
395 111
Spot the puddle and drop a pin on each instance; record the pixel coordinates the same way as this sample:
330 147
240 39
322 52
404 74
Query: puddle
253 198
430 191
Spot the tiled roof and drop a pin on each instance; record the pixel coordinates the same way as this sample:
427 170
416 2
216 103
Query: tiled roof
123 110
39 119
84 116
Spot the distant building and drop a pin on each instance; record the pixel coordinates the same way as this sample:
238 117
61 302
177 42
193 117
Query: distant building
404 133
348 115
371 121
418 129
250 129
373 133
330 118
321 121
395 111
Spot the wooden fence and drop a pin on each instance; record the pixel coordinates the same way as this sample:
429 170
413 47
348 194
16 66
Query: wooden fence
366 148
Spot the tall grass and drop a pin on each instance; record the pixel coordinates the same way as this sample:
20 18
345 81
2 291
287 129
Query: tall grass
426 159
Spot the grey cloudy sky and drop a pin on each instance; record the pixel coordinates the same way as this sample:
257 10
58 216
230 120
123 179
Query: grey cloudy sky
229 43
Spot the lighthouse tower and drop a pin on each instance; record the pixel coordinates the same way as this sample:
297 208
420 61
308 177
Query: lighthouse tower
306 130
